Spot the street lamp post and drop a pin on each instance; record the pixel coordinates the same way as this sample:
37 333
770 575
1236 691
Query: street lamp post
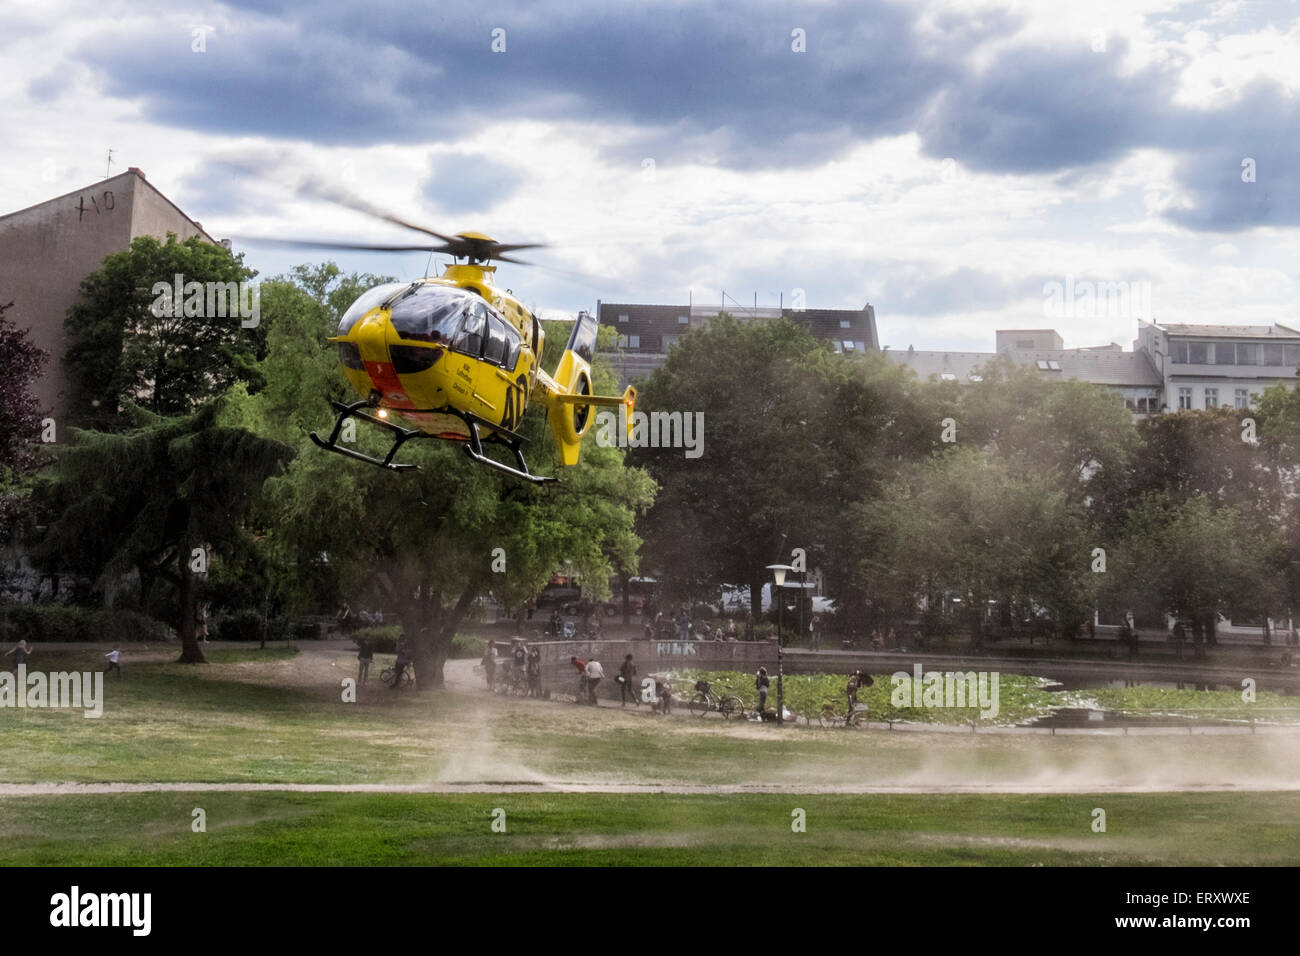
778 575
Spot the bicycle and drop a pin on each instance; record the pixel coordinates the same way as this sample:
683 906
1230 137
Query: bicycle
705 701
389 674
830 717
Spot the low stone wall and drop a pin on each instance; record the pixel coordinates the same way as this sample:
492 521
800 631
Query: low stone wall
650 657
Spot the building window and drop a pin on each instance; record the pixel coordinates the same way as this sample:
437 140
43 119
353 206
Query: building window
1184 398
629 341
1247 353
975 378
947 376
1291 355
1048 365
1211 398
1273 354
1198 353
1240 398
848 346
670 341
845 324
622 318
683 320
862 346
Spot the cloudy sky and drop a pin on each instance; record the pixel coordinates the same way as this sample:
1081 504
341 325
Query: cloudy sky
945 161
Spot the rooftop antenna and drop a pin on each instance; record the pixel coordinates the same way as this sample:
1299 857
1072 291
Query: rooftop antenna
109 163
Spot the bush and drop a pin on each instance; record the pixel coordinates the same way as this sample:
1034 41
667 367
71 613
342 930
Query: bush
468 645
60 623
382 639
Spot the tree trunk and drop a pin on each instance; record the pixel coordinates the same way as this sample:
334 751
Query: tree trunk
191 653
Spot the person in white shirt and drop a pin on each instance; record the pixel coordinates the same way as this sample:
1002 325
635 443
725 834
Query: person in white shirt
113 657
595 673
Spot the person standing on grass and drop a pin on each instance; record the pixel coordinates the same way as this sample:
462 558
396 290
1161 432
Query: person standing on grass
761 683
595 674
490 664
403 661
20 653
663 696
533 668
627 682
581 667
364 656
114 657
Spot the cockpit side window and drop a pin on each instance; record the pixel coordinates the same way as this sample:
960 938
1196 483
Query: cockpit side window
473 332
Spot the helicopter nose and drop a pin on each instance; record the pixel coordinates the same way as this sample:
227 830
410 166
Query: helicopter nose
372 339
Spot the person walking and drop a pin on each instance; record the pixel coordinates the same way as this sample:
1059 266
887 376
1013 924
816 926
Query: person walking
663 696
683 626
114 660
20 652
595 674
761 684
627 682
364 656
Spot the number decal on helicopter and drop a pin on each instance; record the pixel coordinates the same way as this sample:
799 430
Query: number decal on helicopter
514 410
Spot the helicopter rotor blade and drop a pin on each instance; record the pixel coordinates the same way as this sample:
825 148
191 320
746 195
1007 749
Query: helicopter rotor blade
341 197
341 246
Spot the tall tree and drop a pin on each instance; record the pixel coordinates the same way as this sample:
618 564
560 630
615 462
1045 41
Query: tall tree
422 545
20 419
131 343
161 499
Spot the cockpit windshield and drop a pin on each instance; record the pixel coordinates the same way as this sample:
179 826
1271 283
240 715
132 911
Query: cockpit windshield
431 313
369 300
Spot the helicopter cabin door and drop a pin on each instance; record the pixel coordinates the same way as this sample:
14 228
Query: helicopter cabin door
502 383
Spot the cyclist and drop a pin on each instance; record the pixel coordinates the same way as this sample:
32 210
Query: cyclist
857 680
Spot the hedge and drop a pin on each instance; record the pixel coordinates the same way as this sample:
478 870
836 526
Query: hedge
61 623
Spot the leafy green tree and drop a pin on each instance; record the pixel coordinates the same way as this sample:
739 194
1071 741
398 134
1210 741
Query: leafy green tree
160 499
20 419
1189 556
967 525
128 343
792 432
423 545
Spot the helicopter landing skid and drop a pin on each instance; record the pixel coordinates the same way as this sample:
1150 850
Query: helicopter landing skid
473 445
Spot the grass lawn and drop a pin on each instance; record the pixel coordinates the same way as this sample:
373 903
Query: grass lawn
276 717
650 829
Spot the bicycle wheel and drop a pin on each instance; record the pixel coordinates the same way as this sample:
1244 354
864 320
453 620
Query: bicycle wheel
700 704
828 717
386 675
854 719
732 707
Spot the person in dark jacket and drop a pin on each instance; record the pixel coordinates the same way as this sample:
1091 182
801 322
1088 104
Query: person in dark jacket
761 683
627 682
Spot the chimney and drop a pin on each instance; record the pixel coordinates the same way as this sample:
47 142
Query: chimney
138 171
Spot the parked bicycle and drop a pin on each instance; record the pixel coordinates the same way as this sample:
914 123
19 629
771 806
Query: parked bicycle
705 700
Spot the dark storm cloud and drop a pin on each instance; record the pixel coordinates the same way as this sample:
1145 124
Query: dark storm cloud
470 182
711 83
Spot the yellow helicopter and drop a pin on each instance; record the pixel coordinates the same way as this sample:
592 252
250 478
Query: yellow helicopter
458 359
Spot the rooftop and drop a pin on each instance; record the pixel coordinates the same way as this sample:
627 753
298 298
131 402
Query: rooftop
1231 331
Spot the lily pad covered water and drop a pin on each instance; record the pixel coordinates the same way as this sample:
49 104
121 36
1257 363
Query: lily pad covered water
1020 699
